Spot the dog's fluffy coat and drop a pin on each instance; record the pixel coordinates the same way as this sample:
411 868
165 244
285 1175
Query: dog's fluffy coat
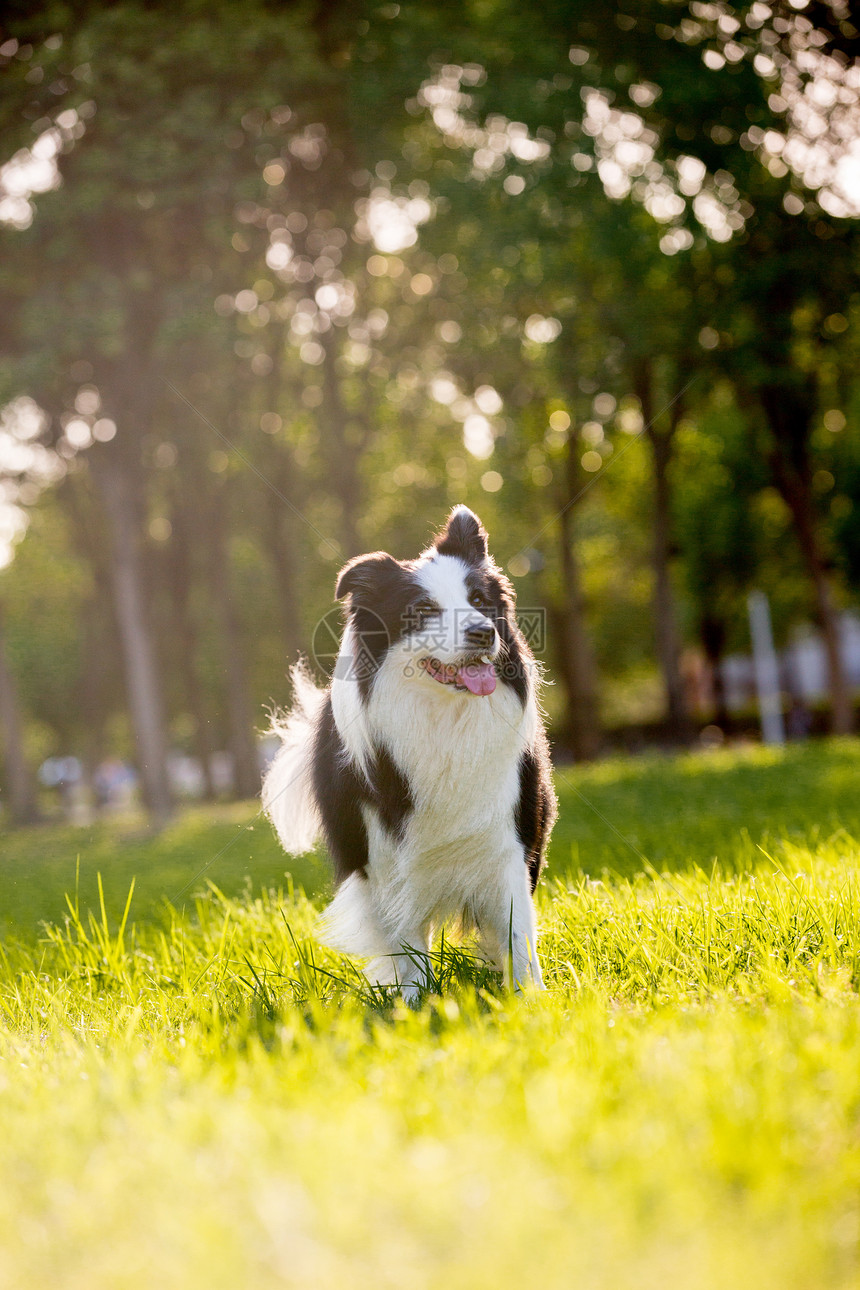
425 764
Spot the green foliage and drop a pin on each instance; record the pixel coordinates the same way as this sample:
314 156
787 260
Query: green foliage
45 592
128 277
227 844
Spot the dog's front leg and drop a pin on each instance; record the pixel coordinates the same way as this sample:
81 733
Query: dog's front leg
407 967
508 920
414 971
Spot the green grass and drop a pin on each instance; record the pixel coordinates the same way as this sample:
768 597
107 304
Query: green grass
202 1097
228 845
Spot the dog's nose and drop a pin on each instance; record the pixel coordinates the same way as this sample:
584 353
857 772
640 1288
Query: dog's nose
480 636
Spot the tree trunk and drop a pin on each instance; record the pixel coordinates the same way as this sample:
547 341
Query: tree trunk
114 480
91 682
19 781
279 528
713 636
667 636
280 544
665 620
243 743
841 707
574 649
100 670
202 743
789 418
180 576
346 436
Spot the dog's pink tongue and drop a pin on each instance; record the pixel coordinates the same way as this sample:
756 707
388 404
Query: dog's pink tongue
480 678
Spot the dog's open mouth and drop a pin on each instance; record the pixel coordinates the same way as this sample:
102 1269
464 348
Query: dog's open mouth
477 675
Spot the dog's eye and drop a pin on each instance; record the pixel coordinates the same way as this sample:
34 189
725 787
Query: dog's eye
478 600
426 606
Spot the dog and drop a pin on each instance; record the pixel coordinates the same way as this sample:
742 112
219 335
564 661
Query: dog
424 765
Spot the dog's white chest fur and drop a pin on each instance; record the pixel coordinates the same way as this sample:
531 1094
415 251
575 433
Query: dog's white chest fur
460 755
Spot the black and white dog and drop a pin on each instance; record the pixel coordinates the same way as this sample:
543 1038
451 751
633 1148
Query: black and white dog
425 764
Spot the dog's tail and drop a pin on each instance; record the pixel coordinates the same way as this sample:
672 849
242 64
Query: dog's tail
288 793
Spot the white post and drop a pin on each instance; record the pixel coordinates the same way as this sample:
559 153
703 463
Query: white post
766 669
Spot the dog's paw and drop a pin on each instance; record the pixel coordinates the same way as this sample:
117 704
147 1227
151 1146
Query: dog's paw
531 981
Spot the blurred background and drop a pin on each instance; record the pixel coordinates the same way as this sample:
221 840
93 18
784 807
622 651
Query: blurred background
281 282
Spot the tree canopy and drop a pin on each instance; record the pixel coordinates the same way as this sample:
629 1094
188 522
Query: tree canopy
282 282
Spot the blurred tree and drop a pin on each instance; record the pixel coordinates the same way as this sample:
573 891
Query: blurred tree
607 208
753 106
157 151
714 521
709 117
19 782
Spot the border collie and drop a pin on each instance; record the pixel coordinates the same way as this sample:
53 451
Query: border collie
424 765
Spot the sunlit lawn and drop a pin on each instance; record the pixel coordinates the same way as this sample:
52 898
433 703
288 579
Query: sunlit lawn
206 1099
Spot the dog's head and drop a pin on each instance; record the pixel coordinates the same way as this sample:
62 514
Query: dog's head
447 617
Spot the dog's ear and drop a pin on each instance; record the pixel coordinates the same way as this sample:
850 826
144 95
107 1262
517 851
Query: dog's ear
464 535
365 572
